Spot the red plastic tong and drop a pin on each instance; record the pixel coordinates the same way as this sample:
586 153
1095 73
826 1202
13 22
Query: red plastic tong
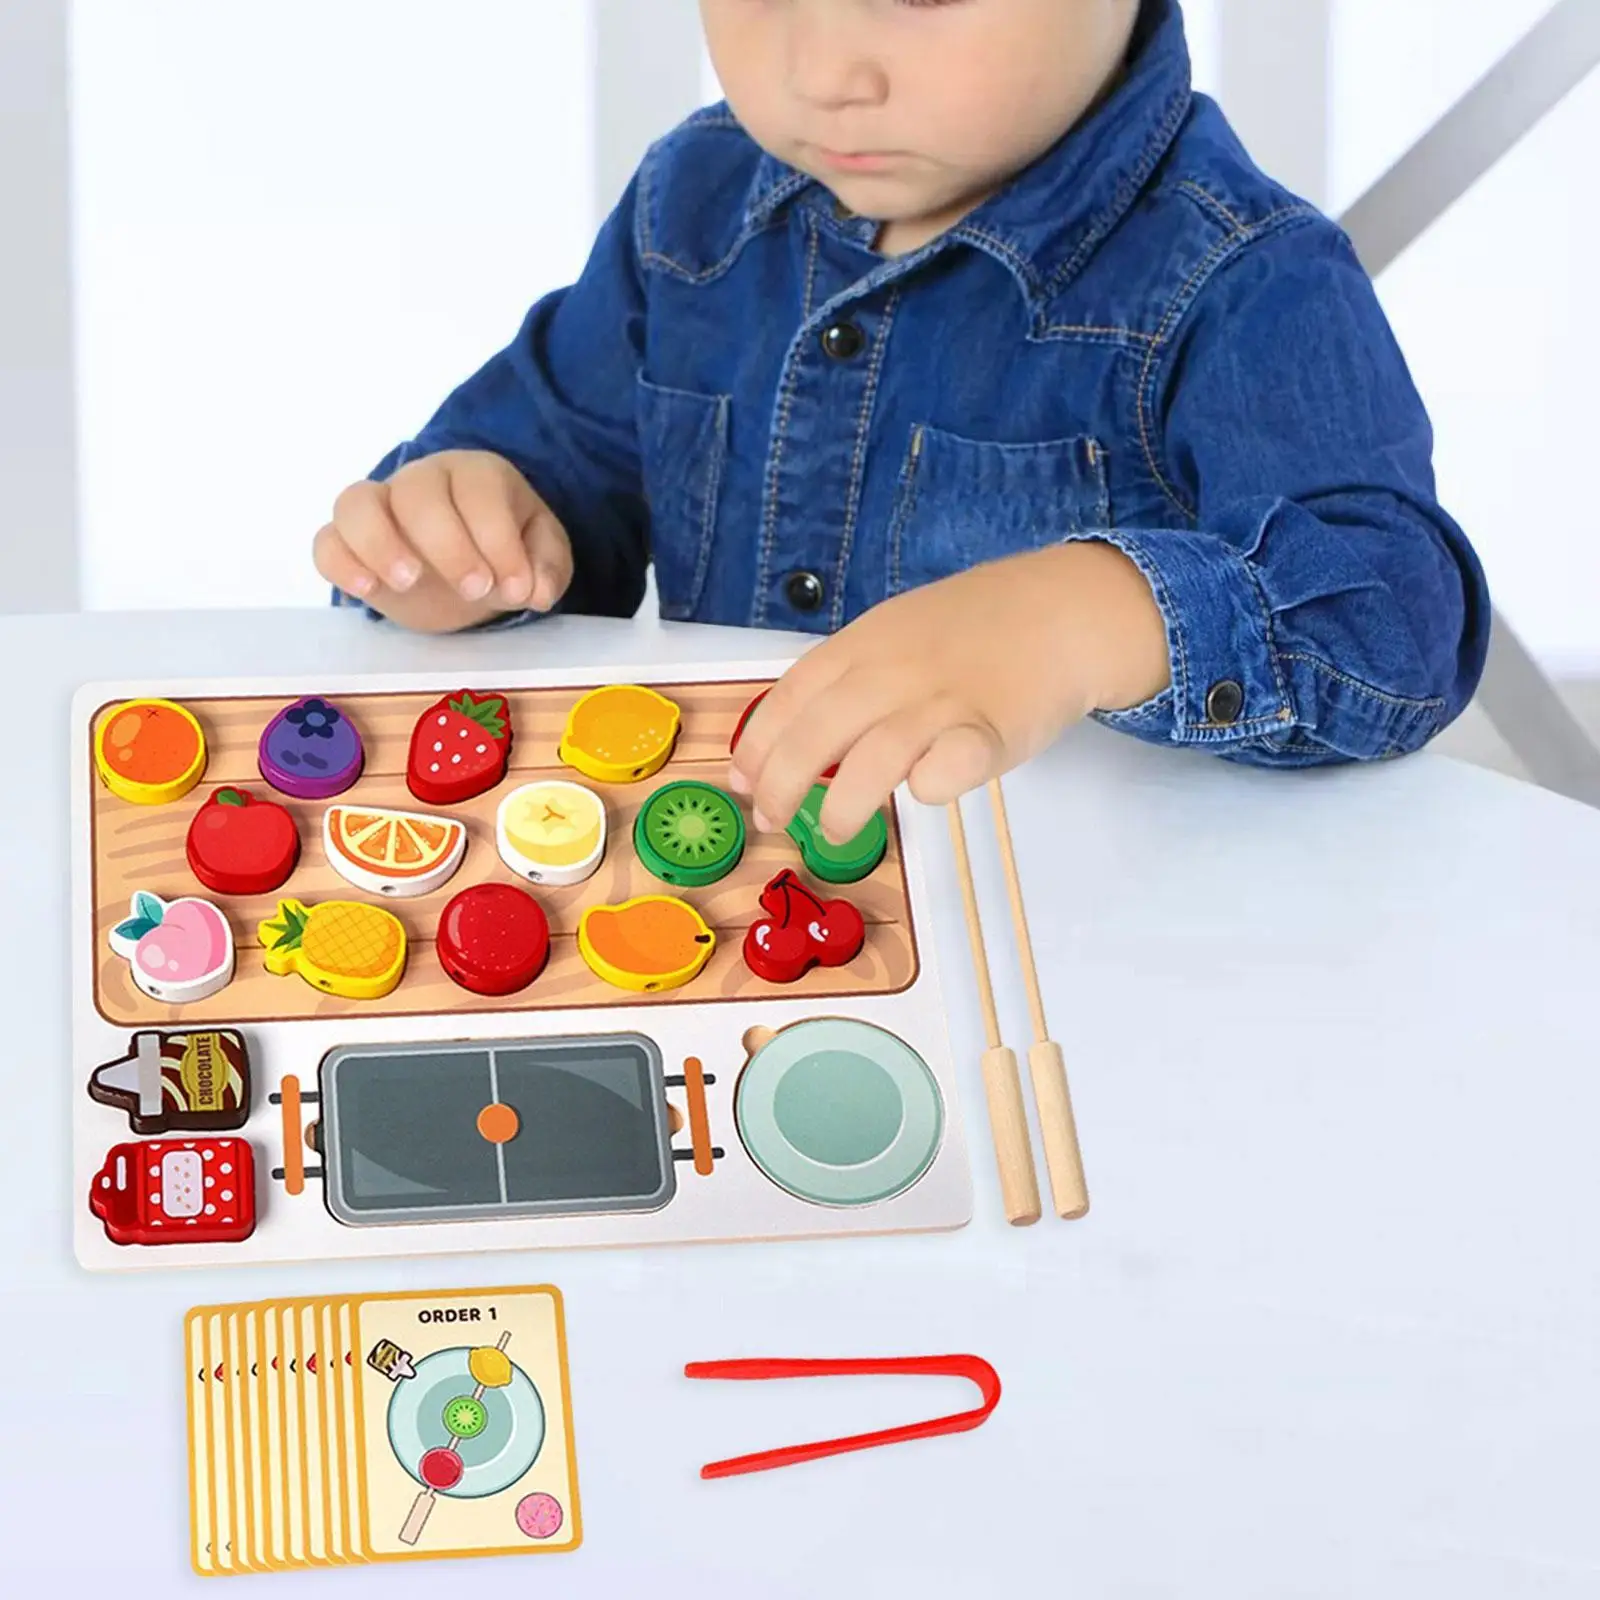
970 1367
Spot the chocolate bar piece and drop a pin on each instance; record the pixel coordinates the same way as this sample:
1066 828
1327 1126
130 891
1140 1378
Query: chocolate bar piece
179 1082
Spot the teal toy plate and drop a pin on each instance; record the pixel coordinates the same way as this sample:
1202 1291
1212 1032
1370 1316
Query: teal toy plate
840 1113
493 1458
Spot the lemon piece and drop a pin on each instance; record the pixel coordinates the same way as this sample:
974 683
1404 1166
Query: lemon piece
490 1367
620 733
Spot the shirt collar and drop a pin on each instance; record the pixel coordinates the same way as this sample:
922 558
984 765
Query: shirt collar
1046 223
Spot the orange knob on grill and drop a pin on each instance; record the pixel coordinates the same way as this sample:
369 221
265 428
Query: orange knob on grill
498 1124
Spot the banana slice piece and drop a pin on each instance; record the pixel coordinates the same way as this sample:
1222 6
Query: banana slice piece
552 833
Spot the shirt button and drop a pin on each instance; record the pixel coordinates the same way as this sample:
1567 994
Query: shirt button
1225 703
844 341
804 591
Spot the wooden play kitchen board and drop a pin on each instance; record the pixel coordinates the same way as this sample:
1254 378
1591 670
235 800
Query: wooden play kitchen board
135 847
569 1113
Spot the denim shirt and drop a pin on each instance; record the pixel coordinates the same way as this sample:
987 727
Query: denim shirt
1142 340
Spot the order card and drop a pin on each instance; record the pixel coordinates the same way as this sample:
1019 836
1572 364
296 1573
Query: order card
199 1388
220 1444
464 1443
314 1421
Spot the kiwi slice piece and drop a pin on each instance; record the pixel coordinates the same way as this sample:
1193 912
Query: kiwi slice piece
689 834
465 1418
837 863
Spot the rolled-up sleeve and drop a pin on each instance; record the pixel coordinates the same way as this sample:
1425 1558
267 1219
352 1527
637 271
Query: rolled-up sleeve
557 403
1321 606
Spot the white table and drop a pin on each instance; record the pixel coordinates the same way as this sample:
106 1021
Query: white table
1332 1328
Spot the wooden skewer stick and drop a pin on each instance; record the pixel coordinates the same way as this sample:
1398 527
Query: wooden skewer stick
1008 1118
422 1506
1062 1156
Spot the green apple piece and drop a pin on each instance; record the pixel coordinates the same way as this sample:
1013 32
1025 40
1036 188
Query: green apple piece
837 863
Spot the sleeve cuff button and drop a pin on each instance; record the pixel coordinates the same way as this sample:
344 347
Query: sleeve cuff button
1224 703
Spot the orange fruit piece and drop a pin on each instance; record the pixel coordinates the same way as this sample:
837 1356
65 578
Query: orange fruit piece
620 734
647 944
150 752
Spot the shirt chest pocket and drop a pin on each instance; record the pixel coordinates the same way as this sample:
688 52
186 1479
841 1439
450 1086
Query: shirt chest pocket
683 448
966 501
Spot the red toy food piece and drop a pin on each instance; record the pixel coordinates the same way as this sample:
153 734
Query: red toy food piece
459 748
800 932
493 939
738 733
441 1468
240 845
169 1191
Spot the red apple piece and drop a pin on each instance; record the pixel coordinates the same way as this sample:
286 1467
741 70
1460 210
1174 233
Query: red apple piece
238 845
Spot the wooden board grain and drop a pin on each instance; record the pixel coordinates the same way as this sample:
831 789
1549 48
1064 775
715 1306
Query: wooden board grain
135 847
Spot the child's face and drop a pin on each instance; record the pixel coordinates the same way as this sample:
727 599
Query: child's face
914 111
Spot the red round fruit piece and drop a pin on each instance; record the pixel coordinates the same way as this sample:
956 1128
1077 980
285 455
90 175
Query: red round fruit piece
240 845
750 711
493 939
441 1469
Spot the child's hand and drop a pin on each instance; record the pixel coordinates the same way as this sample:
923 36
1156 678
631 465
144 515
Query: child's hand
449 541
953 684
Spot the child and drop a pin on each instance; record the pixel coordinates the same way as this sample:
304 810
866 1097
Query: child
966 333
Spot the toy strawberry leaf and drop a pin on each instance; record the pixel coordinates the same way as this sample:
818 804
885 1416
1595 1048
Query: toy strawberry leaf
488 714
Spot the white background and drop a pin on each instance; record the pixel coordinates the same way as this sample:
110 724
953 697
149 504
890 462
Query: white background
299 224
1494 307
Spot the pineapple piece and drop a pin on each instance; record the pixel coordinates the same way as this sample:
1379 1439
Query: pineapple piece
339 946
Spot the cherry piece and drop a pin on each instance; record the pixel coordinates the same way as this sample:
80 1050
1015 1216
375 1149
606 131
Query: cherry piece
799 932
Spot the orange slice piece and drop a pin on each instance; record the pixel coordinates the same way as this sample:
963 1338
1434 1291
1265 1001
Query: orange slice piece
393 852
620 734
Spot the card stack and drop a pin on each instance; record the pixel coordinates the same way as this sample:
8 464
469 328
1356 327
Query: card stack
392 1427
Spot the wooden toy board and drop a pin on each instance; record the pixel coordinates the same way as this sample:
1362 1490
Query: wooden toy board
445 1044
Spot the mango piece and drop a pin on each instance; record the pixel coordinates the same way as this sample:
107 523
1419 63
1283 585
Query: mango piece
647 944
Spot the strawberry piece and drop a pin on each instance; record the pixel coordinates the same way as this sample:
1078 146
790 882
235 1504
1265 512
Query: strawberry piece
799 932
460 748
